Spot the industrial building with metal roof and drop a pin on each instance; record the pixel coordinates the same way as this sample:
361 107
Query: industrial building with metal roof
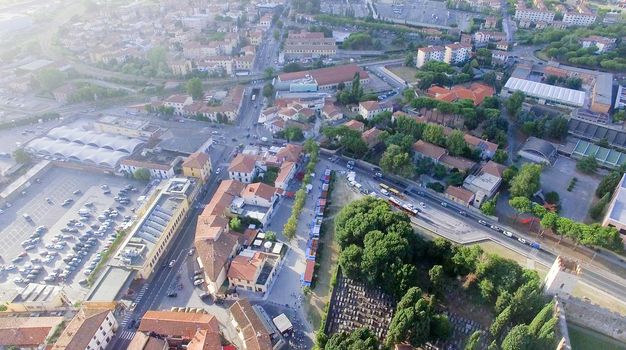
550 93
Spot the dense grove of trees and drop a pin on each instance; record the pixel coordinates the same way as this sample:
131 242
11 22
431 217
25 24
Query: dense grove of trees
90 92
347 138
361 41
564 45
440 73
378 247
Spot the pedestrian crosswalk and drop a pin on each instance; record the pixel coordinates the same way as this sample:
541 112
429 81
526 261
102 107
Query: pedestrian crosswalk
126 335
141 292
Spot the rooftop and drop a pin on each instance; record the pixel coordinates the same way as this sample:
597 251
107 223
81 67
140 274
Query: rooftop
81 329
26 331
177 324
34 292
255 335
327 76
242 163
428 149
460 193
617 207
545 91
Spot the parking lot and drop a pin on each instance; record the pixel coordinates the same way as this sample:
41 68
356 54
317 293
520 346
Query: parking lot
46 240
425 12
574 204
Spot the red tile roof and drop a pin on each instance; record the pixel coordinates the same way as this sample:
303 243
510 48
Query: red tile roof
255 336
244 268
308 271
476 92
26 331
355 125
243 163
493 168
369 105
457 162
429 150
177 324
370 136
460 193
196 160
259 189
81 329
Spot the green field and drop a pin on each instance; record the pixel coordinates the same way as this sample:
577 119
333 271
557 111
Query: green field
586 339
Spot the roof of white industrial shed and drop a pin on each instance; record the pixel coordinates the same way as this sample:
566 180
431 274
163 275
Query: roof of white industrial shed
548 92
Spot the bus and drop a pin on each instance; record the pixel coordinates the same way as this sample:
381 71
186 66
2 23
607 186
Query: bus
396 193
409 209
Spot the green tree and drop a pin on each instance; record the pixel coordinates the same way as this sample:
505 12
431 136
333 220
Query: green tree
269 73
194 88
359 339
235 224
433 133
350 261
501 156
514 102
50 78
411 321
455 143
527 181
518 338
474 341
549 221
500 322
396 160
488 208
437 280
270 236
21 156
587 165
142 174
268 90
440 327
293 133
409 60
521 205
597 209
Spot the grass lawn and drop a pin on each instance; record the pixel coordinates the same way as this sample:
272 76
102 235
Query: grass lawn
406 73
328 252
587 339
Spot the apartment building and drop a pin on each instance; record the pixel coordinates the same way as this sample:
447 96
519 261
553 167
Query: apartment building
309 44
457 53
253 271
90 329
430 53
197 165
368 109
579 18
178 102
532 15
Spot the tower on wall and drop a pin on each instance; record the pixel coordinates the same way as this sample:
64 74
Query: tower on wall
562 277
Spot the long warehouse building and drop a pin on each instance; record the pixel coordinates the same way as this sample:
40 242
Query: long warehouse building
544 93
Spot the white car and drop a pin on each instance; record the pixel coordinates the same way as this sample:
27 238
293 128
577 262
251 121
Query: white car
218 171
198 282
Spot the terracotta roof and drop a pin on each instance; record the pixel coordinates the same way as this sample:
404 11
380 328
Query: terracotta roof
177 324
370 136
479 143
26 331
460 193
244 268
259 189
308 271
243 163
476 92
355 125
196 160
369 105
493 168
330 109
143 341
205 340
285 169
290 152
430 49
457 162
223 197
81 329
214 252
255 336
428 149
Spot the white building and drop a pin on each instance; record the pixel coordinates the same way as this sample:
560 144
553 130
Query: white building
534 15
369 109
457 53
89 329
430 53
579 19
562 277
178 102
